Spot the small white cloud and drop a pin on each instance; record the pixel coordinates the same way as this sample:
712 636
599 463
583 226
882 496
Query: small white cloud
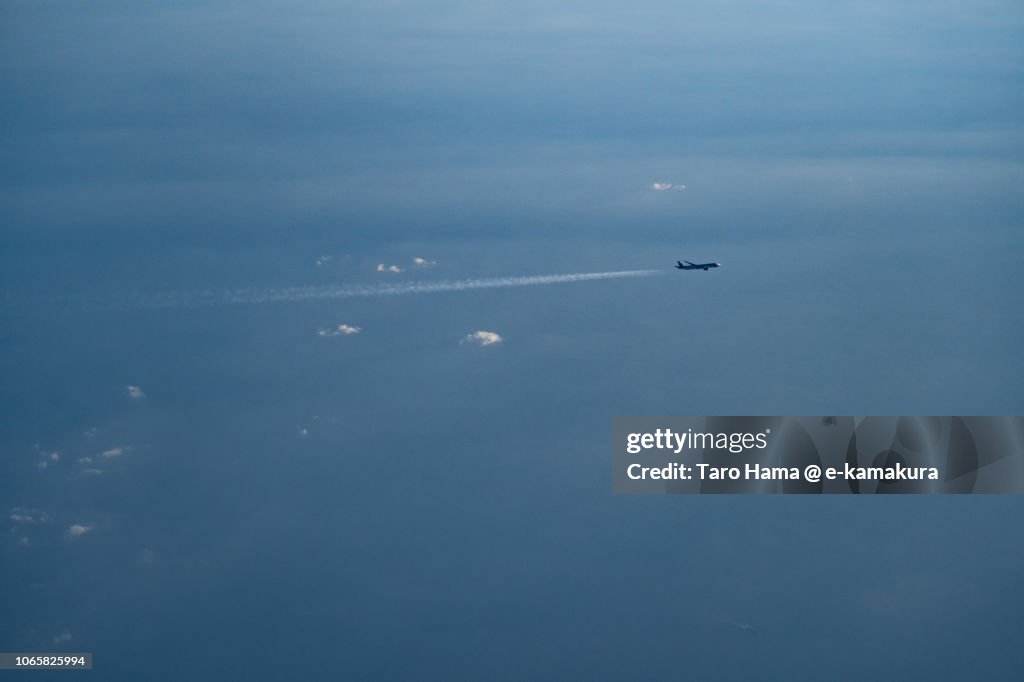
85 460
114 452
483 338
388 268
340 330
78 530
23 542
423 262
134 392
62 637
90 432
323 260
303 433
26 515
664 186
92 472
47 458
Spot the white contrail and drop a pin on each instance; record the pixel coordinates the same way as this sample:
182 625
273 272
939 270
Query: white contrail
187 299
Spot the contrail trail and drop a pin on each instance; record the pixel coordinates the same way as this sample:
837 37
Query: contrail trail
188 299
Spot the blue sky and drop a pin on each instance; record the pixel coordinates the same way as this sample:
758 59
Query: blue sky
417 505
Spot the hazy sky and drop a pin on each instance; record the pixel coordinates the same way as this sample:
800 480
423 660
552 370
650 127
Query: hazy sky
424 493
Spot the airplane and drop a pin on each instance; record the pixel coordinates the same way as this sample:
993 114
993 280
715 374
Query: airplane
695 266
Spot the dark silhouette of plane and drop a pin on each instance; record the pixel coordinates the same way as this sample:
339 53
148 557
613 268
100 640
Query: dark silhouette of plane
695 266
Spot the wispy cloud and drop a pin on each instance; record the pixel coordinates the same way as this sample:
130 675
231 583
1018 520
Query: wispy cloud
665 186
134 392
115 452
323 260
423 262
64 636
27 515
78 530
388 268
483 338
340 330
46 457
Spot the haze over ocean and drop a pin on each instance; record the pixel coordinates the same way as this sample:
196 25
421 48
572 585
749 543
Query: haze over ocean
417 487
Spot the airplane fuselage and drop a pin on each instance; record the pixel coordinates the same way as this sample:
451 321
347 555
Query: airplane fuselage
695 266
